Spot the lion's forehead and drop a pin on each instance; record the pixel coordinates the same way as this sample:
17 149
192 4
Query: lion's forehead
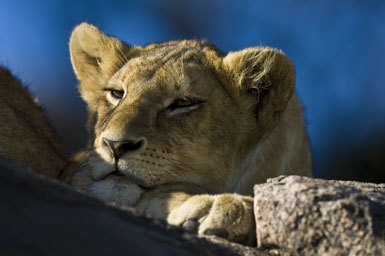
167 65
170 53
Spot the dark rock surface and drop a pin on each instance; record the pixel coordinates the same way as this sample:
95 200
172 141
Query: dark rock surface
39 216
320 217
294 216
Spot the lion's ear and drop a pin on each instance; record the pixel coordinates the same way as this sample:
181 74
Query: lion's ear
93 53
96 56
264 75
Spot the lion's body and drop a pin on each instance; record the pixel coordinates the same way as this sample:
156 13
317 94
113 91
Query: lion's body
284 151
182 132
26 135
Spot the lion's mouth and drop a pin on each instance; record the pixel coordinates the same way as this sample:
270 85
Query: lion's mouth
117 173
131 178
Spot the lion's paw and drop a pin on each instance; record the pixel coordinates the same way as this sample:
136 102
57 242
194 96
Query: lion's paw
227 215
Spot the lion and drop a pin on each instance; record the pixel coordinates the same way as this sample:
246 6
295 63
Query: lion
181 131
26 135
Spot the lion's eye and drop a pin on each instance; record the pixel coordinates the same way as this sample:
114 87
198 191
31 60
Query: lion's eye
183 105
116 94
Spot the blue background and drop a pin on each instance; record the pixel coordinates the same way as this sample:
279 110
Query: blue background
338 48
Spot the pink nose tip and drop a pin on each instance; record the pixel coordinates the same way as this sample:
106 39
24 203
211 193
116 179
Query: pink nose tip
119 148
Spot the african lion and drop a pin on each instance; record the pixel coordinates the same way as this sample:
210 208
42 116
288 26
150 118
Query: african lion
182 132
26 137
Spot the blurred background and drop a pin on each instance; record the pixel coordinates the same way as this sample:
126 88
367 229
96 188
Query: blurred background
338 48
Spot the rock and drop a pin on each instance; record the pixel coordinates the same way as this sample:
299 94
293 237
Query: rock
309 216
39 216
294 216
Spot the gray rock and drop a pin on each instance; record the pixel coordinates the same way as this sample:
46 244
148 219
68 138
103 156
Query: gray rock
310 216
39 216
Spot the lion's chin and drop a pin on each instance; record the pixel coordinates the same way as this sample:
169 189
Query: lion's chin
117 190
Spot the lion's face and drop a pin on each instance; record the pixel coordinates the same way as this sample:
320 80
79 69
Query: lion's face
161 124
178 112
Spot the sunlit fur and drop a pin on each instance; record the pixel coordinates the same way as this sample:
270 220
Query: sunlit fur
247 127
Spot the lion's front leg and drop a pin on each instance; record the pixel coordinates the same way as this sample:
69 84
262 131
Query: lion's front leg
226 215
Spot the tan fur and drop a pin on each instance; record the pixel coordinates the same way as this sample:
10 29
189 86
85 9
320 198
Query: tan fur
25 135
196 167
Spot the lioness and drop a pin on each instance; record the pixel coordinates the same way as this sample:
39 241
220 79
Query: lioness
178 130
182 132
26 136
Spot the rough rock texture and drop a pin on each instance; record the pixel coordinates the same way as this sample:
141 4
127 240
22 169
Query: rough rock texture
42 217
320 217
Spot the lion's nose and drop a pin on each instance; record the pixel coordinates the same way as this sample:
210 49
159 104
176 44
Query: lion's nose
118 148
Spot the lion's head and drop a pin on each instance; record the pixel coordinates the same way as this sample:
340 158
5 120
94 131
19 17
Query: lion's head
180 111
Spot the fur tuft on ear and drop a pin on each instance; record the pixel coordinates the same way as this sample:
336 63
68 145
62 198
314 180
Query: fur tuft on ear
95 57
267 76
